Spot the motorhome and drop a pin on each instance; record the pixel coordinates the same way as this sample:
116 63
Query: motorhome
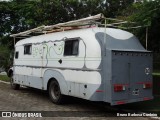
93 63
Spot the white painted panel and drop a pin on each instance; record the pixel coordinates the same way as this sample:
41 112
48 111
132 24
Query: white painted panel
23 70
82 76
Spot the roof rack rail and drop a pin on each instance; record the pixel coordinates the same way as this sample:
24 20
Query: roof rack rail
60 26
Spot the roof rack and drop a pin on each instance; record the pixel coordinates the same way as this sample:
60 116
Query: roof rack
95 20
75 24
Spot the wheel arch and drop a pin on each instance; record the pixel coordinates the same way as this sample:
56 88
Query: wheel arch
50 75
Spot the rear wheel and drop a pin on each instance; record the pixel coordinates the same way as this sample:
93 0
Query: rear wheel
55 92
13 85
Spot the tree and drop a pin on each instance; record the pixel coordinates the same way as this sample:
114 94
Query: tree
146 14
17 15
5 60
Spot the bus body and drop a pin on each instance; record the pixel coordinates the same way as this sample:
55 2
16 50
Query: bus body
97 64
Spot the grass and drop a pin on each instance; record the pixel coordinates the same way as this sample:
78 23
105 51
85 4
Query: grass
4 78
156 72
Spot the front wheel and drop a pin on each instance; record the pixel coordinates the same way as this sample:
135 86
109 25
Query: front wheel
55 92
13 85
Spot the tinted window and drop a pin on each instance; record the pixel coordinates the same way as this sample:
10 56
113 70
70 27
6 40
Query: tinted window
71 47
27 49
16 55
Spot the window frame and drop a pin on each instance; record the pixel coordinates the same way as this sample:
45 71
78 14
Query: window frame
71 40
16 54
30 49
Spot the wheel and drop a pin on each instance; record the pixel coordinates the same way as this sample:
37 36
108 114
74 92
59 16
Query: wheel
13 85
55 92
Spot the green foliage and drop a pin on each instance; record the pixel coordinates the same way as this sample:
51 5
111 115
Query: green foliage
4 78
147 14
17 16
5 60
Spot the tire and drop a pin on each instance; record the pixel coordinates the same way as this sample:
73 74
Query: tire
55 92
13 85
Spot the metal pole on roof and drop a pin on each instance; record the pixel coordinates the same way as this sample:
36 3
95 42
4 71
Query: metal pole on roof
14 55
14 41
105 38
146 38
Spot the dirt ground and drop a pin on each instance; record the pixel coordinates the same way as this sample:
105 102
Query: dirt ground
33 100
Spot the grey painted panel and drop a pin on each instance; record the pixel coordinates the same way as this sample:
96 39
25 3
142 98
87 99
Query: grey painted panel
86 91
138 75
128 69
113 43
129 101
107 76
120 75
99 94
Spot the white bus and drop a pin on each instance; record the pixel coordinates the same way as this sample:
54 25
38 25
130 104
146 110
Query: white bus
93 63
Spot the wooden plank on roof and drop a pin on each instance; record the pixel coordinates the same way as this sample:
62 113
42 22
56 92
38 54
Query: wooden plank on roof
43 29
25 33
78 22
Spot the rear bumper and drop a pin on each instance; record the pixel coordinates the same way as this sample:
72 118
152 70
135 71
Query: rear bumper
121 102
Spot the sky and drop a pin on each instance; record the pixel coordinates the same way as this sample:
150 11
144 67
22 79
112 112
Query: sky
4 0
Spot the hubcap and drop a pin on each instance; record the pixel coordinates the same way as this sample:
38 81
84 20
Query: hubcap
55 92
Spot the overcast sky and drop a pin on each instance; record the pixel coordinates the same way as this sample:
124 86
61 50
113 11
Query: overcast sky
4 0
